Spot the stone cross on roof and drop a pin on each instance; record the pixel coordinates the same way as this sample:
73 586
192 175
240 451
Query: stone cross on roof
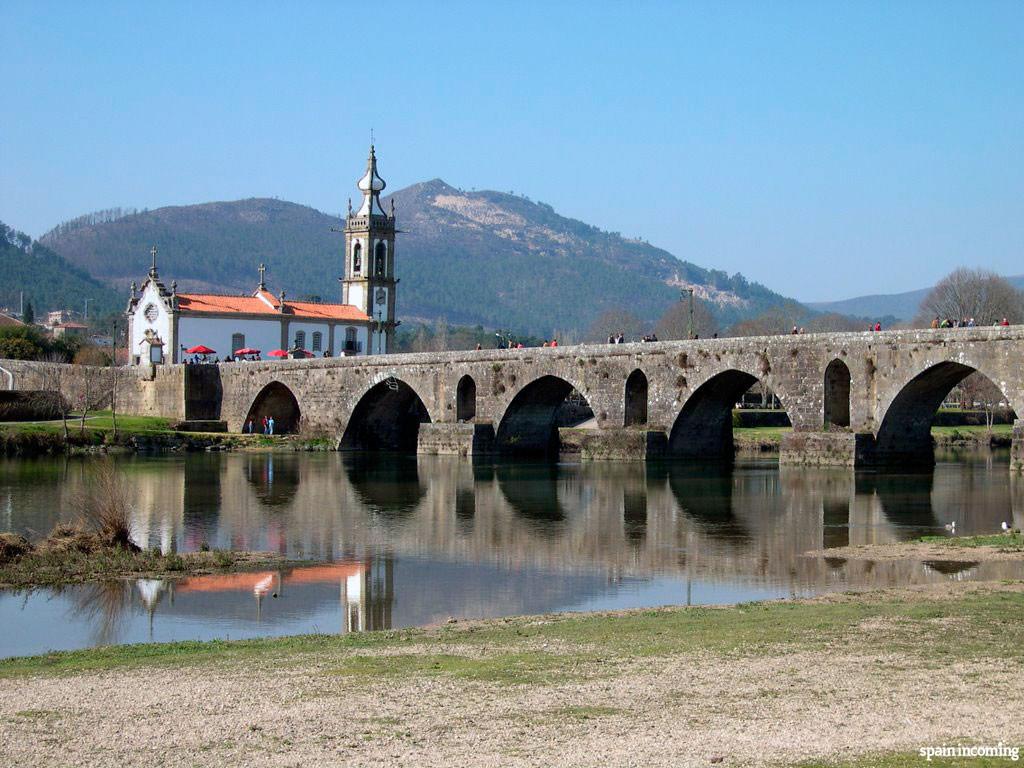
152 269
262 269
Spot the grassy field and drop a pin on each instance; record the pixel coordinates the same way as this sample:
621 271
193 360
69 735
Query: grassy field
774 434
806 683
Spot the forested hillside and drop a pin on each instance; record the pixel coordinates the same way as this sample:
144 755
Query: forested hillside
471 257
48 281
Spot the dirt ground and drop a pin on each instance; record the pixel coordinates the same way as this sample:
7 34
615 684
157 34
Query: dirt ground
772 708
908 550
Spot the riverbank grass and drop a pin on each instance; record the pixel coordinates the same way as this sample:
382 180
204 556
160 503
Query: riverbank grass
1005 542
53 567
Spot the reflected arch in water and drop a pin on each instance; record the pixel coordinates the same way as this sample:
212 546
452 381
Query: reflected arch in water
635 399
386 418
837 395
387 486
532 492
704 494
904 434
905 499
278 401
703 428
529 426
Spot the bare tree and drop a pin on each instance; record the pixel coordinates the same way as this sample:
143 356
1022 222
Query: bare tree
114 374
978 391
973 293
674 324
54 379
96 391
772 322
833 322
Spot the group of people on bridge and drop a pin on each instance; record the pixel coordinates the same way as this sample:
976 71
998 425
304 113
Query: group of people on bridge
967 322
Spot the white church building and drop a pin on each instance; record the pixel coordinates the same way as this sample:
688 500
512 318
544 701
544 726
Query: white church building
164 323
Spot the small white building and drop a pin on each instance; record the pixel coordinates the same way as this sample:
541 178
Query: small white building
164 323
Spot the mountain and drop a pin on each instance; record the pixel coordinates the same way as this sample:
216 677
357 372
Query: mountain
484 258
902 306
47 279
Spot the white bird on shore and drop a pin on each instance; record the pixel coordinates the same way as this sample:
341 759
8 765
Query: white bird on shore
951 526
1005 526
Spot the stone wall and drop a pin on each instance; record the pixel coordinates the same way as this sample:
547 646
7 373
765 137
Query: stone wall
145 390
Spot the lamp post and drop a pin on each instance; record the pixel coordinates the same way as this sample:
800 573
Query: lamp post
689 325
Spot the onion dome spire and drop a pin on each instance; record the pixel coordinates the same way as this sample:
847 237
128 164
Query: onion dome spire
371 185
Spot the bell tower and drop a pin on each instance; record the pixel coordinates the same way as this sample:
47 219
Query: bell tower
369 281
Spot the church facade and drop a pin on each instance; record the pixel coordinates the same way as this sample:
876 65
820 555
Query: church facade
164 323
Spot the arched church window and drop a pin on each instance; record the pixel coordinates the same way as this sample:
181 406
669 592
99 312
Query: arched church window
380 258
300 339
350 340
237 342
357 258
318 341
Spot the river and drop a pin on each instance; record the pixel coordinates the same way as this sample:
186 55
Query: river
407 541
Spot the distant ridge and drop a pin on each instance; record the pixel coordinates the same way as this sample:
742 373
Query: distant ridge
902 306
486 258
48 281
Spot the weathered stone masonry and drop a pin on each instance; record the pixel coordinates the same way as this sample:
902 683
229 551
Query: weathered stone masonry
894 381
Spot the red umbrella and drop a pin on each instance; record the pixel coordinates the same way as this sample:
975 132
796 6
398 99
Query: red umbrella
302 353
277 353
247 351
200 350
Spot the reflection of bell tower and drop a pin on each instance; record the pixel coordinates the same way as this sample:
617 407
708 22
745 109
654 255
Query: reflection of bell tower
369 281
368 596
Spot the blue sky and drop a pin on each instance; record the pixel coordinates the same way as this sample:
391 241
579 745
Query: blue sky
826 149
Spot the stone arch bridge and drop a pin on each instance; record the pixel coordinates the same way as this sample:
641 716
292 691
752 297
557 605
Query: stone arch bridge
852 398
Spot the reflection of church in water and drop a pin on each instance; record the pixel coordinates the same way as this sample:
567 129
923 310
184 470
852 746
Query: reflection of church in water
365 589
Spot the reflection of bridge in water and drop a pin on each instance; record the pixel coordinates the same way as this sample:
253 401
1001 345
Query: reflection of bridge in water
752 524
412 540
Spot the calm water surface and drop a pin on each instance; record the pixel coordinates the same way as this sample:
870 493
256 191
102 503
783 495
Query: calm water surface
411 541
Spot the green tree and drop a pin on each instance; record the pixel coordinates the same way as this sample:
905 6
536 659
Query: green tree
29 315
18 348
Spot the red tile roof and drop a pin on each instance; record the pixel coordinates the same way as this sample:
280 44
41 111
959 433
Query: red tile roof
211 303
8 320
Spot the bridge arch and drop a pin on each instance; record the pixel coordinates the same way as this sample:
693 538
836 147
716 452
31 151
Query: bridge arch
278 401
529 424
635 399
703 427
386 418
904 430
836 402
465 399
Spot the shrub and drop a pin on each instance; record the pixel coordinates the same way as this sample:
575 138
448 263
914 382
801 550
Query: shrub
12 546
106 508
